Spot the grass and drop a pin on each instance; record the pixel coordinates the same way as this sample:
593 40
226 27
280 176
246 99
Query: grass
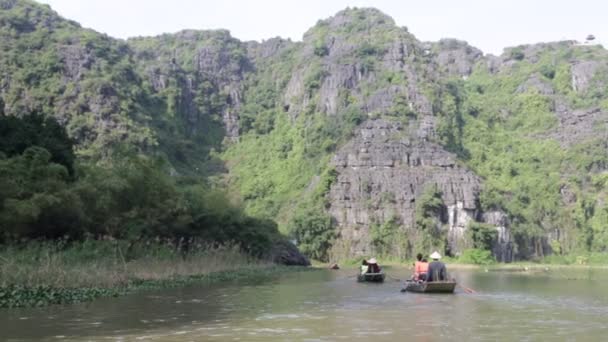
38 274
111 263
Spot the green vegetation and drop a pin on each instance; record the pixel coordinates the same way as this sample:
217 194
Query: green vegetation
525 171
128 196
476 256
37 274
428 209
482 235
136 140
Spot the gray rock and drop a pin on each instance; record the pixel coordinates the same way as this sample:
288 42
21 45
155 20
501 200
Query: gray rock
456 57
576 126
535 83
503 247
383 170
582 74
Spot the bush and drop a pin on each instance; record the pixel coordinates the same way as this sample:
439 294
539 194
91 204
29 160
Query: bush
517 54
314 233
476 256
548 71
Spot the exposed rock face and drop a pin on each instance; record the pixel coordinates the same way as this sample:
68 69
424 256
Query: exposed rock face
537 84
204 66
503 248
383 170
456 57
575 126
582 74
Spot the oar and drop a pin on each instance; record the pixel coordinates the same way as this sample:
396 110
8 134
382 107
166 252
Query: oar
395 279
407 284
467 289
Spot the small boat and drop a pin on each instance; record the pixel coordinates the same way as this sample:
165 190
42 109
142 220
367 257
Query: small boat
431 287
371 277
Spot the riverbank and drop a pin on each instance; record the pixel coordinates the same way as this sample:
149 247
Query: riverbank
455 263
39 274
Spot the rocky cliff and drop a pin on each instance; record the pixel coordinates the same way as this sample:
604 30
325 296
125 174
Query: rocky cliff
381 173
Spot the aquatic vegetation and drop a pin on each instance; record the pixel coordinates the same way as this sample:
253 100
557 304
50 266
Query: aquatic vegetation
40 274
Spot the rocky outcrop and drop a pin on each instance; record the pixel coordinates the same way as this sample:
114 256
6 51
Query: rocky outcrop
503 247
207 67
455 57
383 170
349 69
536 84
582 74
576 126
285 253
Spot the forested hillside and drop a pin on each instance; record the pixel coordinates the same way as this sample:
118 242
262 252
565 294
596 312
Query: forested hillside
359 139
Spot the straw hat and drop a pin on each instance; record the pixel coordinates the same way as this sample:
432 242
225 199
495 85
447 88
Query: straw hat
372 261
435 255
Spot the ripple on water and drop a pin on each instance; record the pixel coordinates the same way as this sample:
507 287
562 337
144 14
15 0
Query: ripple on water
266 317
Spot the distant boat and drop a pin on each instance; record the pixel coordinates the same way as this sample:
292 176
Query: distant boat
590 37
430 287
371 277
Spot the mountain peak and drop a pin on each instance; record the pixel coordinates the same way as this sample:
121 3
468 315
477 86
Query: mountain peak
352 20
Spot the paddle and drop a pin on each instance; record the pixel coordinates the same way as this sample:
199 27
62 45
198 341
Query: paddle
395 279
407 284
467 289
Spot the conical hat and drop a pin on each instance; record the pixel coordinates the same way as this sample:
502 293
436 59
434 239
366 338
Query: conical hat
372 261
435 255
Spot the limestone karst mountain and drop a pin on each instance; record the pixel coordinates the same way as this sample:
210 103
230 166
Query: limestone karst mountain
357 139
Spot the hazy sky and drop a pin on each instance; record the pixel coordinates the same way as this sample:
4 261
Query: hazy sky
487 24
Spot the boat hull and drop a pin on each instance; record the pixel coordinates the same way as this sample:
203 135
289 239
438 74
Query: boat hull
371 277
431 287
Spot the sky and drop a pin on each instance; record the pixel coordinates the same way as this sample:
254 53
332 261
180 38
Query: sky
486 24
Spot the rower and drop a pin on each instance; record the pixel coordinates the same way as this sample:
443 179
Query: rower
373 266
436 270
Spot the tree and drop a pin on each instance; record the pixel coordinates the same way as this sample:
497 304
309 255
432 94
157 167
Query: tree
18 134
429 211
314 233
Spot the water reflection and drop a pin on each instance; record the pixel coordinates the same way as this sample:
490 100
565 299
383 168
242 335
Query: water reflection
330 306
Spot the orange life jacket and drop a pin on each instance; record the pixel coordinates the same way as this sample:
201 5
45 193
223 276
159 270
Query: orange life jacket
421 267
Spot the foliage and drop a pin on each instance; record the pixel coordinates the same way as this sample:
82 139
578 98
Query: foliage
35 130
44 273
476 256
314 233
525 171
429 210
383 236
482 235
128 196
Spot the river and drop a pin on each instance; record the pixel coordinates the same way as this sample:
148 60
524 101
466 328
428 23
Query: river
324 305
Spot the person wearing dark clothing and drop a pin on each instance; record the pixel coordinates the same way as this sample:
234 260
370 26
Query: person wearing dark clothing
437 270
373 266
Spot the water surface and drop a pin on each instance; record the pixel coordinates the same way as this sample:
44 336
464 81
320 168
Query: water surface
324 305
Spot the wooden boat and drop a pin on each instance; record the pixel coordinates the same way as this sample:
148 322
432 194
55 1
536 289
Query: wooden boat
371 277
432 287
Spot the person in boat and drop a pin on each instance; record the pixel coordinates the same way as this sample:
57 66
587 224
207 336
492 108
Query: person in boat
421 267
436 270
372 266
364 266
